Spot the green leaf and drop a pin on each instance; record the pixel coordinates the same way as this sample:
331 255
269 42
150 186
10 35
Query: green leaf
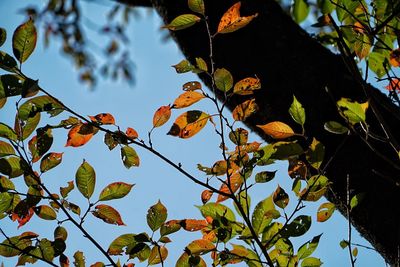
6 200
117 245
49 161
297 112
79 259
170 227
315 154
300 10
353 111
3 36
182 22
115 190
309 247
215 210
326 6
129 157
39 104
6 247
24 40
244 201
6 149
311 262
284 150
28 126
201 64
223 79
41 143
6 184
7 62
265 176
157 255
263 214
85 179
183 66
11 167
108 214
7 132
343 244
196 6
60 233
10 85
335 127
377 62
186 260
200 246
356 199
298 227
139 250
45 212
156 216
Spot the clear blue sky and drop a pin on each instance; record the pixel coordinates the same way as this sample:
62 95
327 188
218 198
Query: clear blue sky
157 84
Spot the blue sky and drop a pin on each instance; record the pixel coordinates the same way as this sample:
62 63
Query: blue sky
157 84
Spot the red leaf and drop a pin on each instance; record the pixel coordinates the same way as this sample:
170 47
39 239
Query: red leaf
131 133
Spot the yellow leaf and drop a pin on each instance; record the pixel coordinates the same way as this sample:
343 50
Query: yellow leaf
232 21
244 110
189 124
187 98
161 116
277 130
247 86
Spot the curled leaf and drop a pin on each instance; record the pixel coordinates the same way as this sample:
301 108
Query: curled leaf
232 21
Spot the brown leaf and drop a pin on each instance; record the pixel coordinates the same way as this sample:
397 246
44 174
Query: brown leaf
244 110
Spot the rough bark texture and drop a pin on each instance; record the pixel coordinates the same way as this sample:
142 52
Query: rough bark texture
289 62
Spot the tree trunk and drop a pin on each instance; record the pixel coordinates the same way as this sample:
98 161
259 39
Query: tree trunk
289 62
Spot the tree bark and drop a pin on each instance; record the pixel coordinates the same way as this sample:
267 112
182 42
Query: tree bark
290 62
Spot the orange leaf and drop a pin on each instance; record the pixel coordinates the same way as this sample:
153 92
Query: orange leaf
244 110
235 181
80 134
103 118
232 21
206 195
191 86
394 85
189 123
247 86
22 218
193 225
161 116
131 133
395 58
64 261
325 211
277 130
187 99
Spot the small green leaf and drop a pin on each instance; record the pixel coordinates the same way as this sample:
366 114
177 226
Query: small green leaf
201 64
325 211
353 111
3 36
28 127
315 154
6 184
265 176
335 127
355 200
6 149
196 6
223 79
117 245
239 136
377 62
343 244
311 262
326 6
45 212
7 62
11 166
129 157
300 10
24 40
108 214
182 22
49 161
355 252
115 190
39 104
298 227
297 112
309 247
183 66
156 216
215 210
170 227
200 246
6 200
85 179
263 214
79 259
7 132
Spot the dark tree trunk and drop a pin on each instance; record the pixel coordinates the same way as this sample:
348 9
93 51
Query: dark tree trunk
289 62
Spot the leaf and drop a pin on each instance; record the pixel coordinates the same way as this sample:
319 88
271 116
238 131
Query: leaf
353 111
193 225
28 127
103 118
395 58
191 86
343 244
280 197
3 36
10 85
200 246
325 211
7 132
206 196
41 143
262 214
161 116
45 212
64 191
60 233
239 136
265 176
129 157
6 149
6 184
170 227
196 6
309 247
187 99
39 104
11 167
300 10
298 227
355 252
244 110
156 216
201 65
311 262
186 260
131 133
85 179
110 141
117 245
108 214
247 86
6 200
316 188
79 259
189 123
277 130
183 66
215 210
24 40
377 63
230 186
335 127
115 191
80 134
7 249
232 21
315 154
297 112
157 255
223 79
7 62
182 22
362 45
50 161
356 199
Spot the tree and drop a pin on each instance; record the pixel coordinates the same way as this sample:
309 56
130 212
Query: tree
273 107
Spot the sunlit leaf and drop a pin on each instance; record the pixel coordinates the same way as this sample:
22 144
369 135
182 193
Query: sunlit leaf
230 186
187 99
129 157
189 123
6 248
315 154
201 65
49 161
311 262
196 6
131 133
186 260
161 116
157 255
244 110
239 136
103 118
300 10
183 66
24 40
325 211
80 134
45 212
156 216
26 128
79 259
85 179
271 234
6 184
353 111
215 210
280 197
262 214
6 149
39 104
118 244
309 247
247 86
297 112
60 233
115 191
170 227
6 200
182 22
244 202
232 21
277 130
395 58
316 188
11 167
200 246
223 79
108 214
356 199
206 196
7 132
